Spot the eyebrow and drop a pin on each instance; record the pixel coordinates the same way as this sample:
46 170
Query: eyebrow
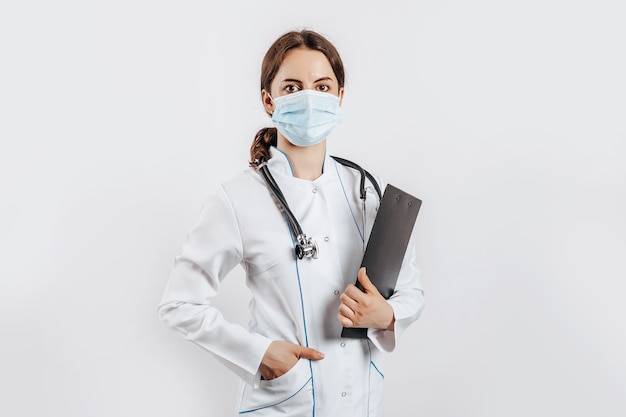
293 80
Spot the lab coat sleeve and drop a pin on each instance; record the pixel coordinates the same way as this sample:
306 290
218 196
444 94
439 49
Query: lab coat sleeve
213 248
407 302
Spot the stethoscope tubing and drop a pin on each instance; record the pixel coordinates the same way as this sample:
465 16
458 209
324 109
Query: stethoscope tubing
306 246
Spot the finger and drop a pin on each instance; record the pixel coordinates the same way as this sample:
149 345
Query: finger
365 281
347 312
344 321
348 301
309 353
354 293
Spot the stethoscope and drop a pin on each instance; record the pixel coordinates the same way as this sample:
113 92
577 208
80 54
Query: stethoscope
306 246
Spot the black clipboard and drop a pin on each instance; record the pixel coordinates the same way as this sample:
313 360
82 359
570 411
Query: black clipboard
387 244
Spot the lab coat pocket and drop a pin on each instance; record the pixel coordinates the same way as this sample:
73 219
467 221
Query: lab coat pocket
376 390
289 394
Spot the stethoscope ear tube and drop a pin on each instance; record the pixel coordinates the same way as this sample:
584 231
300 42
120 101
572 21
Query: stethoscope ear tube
364 174
306 247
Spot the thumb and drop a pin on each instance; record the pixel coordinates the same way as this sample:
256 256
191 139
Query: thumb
309 353
365 281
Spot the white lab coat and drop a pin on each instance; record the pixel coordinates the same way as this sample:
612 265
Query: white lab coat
292 300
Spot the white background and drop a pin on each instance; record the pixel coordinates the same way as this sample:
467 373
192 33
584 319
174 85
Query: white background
118 118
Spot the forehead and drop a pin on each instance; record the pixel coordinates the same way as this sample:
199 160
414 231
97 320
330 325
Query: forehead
304 64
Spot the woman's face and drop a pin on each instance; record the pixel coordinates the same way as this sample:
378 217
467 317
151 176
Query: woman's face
302 69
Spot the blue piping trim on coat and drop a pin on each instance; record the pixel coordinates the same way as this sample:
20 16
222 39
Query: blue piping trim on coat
306 334
288 161
378 370
369 378
348 202
280 402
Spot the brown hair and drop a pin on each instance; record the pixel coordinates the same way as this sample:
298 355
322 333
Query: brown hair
267 136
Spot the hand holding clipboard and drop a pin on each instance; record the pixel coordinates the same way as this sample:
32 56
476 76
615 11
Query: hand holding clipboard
387 244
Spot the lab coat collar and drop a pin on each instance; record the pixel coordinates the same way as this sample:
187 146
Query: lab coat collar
279 163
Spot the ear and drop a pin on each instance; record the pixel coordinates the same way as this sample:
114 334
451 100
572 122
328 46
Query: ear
267 102
341 90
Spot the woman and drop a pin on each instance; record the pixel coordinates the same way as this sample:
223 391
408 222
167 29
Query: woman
292 359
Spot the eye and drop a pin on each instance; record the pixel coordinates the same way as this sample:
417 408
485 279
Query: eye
324 88
291 88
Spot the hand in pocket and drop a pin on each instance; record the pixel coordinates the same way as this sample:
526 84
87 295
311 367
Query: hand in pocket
281 356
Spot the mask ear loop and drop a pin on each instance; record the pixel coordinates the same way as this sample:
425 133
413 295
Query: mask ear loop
273 103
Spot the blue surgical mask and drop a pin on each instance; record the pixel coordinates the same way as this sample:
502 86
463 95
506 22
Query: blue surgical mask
307 117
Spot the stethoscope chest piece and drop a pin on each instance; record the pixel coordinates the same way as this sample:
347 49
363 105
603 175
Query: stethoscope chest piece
306 247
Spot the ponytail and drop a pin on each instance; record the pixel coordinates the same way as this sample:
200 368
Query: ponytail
260 148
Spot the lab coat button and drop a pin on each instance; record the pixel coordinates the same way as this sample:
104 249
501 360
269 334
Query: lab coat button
343 394
343 344
314 190
326 239
336 292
